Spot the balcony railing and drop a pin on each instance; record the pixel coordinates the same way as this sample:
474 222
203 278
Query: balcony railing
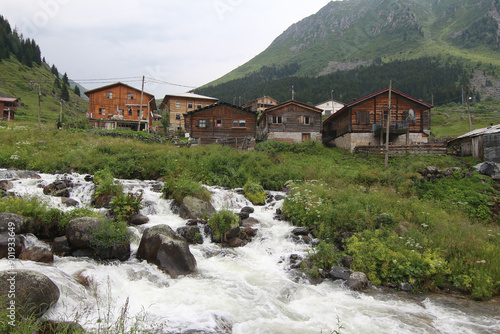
396 127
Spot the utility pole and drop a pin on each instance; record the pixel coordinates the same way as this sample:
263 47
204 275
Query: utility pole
293 93
468 109
60 113
388 127
140 110
333 109
39 106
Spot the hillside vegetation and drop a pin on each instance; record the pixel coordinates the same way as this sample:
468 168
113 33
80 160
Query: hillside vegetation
24 74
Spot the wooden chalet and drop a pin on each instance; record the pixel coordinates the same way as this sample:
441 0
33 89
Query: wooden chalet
364 122
260 104
178 104
8 106
119 106
222 123
291 121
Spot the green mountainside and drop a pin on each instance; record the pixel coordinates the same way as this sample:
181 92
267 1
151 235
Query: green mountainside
346 34
23 74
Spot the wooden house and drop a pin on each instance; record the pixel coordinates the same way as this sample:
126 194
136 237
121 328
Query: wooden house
120 106
8 107
222 123
179 104
481 144
364 122
291 121
260 104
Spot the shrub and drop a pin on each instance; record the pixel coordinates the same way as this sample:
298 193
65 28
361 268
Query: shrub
179 188
325 256
255 193
124 207
108 233
222 222
106 185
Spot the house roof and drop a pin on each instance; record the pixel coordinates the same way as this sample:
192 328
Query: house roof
298 103
489 130
220 104
393 91
191 95
8 99
113 85
327 101
262 97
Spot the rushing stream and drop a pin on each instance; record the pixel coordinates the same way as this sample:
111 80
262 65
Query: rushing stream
242 290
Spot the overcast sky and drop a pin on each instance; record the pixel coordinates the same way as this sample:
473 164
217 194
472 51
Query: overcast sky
187 43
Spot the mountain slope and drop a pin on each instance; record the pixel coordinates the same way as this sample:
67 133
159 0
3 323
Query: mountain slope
344 33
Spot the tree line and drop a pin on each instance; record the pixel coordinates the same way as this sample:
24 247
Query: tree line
11 42
435 80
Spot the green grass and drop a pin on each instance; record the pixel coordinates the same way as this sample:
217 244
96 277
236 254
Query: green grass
21 82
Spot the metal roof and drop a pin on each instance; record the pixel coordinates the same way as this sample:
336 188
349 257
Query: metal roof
193 96
479 132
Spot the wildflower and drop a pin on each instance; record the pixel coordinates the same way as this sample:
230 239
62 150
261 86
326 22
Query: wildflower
424 225
481 261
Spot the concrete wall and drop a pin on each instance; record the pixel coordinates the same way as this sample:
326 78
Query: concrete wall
350 141
295 136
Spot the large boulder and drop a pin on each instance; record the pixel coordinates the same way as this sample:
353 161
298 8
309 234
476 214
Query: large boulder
78 232
358 281
139 219
78 236
37 254
33 293
488 168
8 220
341 273
193 208
163 247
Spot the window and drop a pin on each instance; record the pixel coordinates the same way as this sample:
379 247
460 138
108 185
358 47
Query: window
306 120
190 105
201 123
198 105
218 122
138 113
363 117
109 95
130 112
102 111
130 96
178 117
177 104
239 123
277 120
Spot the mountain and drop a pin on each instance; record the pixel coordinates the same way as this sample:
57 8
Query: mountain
344 35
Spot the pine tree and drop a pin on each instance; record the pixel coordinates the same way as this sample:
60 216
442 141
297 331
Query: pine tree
77 90
57 83
65 93
54 71
65 79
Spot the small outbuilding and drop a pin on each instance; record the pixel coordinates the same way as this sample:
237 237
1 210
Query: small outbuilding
222 123
8 107
481 144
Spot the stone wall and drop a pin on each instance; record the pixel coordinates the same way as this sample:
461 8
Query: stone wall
350 141
292 136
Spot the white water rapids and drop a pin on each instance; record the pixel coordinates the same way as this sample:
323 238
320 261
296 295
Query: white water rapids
242 290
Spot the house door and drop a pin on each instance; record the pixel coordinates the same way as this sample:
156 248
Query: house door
306 137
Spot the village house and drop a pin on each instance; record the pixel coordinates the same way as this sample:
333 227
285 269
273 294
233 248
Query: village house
222 123
481 144
330 107
364 122
291 121
179 104
8 106
260 104
119 106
